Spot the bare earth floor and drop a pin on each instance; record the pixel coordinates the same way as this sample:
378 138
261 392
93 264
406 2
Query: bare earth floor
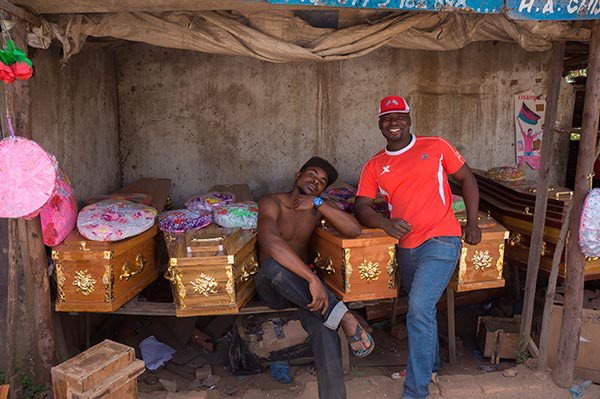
375 382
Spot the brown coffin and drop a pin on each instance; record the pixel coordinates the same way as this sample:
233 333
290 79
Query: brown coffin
107 370
513 216
517 252
523 192
481 266
211 270
94 276
356 269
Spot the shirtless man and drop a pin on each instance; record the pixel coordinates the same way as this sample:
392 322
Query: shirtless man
286 222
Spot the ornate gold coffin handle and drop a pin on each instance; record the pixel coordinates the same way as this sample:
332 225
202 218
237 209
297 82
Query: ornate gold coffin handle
140 262
175 278
561 193
515 241
249 268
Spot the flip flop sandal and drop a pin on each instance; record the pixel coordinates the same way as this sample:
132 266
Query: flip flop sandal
357 337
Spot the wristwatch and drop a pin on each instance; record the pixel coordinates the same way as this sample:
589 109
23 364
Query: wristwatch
317 202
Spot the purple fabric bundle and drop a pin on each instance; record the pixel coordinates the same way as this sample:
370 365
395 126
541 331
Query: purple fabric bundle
181 220
209 201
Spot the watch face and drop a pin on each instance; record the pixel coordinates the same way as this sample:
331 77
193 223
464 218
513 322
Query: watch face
318 201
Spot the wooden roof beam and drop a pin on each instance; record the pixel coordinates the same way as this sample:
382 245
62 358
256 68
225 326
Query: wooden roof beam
112 6
19 13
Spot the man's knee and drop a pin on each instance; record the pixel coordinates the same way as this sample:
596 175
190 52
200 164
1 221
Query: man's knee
421 308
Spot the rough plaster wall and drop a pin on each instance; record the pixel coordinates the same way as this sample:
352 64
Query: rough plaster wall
74 116
204 119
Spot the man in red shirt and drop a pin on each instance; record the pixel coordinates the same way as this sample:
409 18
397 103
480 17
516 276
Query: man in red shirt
411 174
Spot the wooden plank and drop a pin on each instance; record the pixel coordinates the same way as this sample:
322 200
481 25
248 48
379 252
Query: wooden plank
451 325
19 13
4 391
541 201
550 292
3 289
573 306
158 189
95 6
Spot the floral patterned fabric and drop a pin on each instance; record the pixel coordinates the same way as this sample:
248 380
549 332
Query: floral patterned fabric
209 201
133 197
589 230
181 220
28 177
458 203
59 215
113 220
241 214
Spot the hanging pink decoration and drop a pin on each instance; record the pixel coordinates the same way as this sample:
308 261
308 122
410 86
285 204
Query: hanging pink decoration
28 176
59 215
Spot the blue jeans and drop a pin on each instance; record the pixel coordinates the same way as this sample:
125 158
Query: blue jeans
279 288
425 271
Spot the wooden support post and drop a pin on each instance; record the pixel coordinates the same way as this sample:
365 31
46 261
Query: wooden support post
551 291
28 252
568 346
451 325
541 198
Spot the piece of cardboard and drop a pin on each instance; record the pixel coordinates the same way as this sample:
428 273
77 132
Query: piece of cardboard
588 359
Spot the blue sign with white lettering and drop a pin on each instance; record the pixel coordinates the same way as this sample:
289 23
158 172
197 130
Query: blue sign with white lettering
553 9
516 9
478 6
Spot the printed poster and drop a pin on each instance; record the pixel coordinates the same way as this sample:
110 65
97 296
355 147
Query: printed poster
529 127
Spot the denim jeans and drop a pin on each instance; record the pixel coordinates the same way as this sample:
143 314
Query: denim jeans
279 288
425 271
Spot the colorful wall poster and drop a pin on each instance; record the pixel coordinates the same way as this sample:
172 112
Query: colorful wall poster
529 127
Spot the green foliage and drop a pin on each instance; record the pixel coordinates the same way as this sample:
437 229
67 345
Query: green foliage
30 390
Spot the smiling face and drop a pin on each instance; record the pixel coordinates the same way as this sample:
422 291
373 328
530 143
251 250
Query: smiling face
311 181
395 126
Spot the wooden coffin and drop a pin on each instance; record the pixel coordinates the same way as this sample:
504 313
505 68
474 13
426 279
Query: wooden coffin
512 204
522 193
94 276
107 370
517 252
356 269
481 266
211 270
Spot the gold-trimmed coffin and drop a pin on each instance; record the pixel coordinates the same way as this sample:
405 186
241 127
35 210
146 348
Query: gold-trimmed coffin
94 276
211 270
481 266
356 269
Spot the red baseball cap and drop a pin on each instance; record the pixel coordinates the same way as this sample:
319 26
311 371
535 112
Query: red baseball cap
392 104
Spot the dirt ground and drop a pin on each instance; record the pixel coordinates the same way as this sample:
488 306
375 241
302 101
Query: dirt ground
470 378
369 382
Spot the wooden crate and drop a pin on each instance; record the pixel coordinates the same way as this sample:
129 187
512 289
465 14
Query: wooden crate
481 266
94 276
356 269
211 270
107 370
498 337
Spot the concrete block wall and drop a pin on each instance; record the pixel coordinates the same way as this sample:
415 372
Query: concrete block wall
205 119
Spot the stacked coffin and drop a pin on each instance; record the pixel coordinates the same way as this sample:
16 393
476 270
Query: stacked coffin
481 266
211 270
512 204
356 269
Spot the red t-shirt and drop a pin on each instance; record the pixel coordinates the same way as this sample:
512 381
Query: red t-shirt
414 183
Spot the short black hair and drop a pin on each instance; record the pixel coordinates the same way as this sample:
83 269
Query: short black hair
332 173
